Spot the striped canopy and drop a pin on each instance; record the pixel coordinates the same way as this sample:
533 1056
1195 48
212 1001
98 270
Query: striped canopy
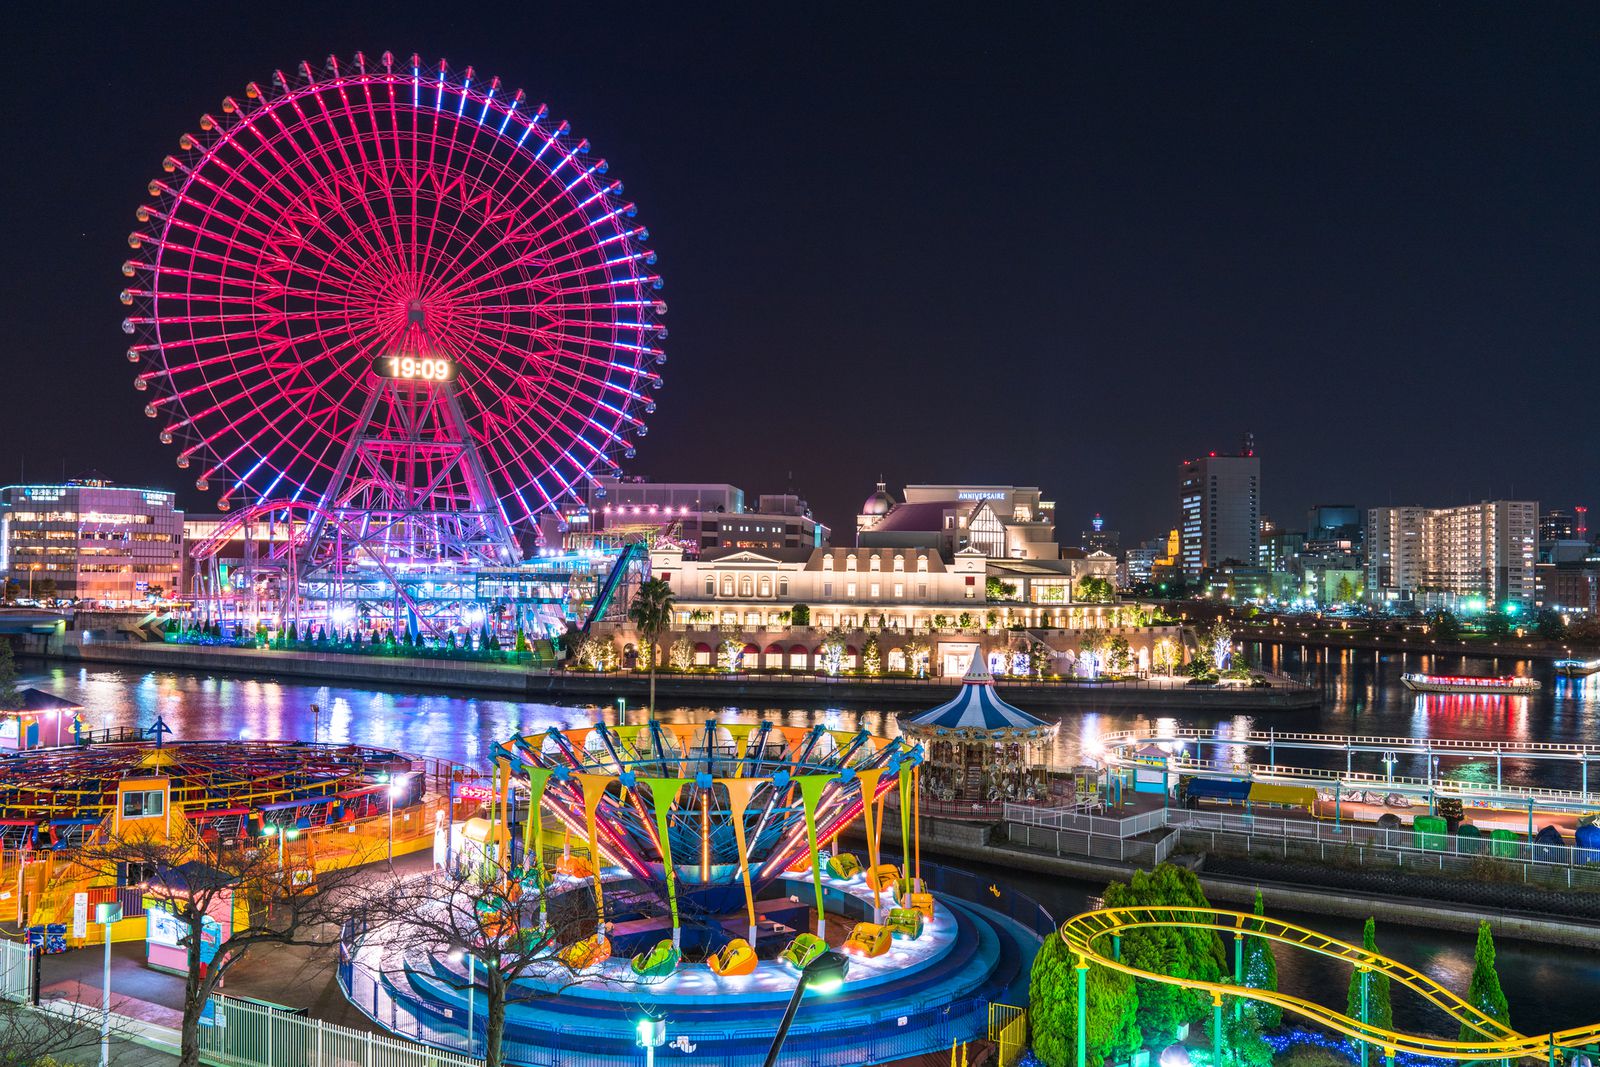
977 711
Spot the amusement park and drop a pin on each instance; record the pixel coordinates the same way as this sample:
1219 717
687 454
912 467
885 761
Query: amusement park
955 795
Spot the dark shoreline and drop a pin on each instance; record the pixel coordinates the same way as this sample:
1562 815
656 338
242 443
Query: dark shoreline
515 680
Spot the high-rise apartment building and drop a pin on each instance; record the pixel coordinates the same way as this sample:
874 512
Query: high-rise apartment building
91 541
1476 555
1219 500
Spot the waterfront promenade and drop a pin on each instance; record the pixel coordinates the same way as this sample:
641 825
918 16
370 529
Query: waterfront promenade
1153 694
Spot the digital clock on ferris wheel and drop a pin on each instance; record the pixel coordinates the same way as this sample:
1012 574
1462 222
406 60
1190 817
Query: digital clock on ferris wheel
415 368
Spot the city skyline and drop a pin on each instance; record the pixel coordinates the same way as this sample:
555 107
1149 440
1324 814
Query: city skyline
1203 247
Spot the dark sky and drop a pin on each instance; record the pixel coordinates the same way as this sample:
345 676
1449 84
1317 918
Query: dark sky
1052 244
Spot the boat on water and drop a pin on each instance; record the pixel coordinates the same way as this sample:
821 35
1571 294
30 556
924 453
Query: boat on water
1577 668
1456 683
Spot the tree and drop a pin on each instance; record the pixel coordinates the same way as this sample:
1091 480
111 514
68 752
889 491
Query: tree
1261 972
10 699
831 653
1218 642
995 589
965 621
1165 656
1093 589
730 656
917 658
1111 1019
681 656
651 613
1344 592
1119 656
1549 626
12 591
1094 647
1445 626
871 658
1496 624
483 909
1484 992
45 589
800 615
269 904
1175 951
69 1033
1379 1011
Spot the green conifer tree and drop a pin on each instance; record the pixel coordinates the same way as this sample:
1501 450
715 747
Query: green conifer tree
1181 952
1484 992
1261 972
1111 1021
1379 1011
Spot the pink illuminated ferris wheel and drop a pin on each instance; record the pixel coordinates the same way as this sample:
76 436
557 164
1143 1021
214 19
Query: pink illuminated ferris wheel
393 287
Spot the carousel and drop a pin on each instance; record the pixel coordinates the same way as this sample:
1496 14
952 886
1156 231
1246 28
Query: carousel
979 749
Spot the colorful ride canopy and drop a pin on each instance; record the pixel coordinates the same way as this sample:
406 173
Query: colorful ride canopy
712 800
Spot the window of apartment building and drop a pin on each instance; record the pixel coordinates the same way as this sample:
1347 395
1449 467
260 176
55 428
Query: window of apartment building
766 586
899 588
746 586
850 589
922 564
899 562
875 563
783 587
972 586
874 590
922 590
827 562
850 562
711 587
727 585
827 589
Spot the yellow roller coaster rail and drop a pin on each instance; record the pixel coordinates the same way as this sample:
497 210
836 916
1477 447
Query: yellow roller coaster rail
1094 937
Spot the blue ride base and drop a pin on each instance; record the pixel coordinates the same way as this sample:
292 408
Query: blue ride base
917 1000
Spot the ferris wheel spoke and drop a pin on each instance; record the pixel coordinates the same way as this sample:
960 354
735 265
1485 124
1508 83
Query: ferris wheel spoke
548 386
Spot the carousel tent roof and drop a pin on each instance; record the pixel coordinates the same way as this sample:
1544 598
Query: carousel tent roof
977 708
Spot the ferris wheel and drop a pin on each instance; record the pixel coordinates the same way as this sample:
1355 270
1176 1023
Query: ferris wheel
396 287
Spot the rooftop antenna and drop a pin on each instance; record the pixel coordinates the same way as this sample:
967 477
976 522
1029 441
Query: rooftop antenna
1248 446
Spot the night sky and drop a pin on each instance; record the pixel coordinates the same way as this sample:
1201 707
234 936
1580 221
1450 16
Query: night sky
1046 244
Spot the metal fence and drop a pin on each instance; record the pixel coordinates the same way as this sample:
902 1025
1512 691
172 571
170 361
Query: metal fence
1068 819
1008 1029
253 1035
1143 852
16 971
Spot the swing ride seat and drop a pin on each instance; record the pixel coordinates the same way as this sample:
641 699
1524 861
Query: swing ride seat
868 939
844 866
905 923
802 950
883 877
735 958
589 952
657 963
574 867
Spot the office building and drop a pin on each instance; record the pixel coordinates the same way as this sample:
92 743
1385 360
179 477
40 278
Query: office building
92 541
1099 539
1219 501
700 515
1001 521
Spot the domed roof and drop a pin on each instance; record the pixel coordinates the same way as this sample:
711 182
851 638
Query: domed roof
879 502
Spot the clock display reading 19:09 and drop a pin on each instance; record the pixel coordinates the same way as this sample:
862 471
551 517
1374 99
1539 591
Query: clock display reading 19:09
415 368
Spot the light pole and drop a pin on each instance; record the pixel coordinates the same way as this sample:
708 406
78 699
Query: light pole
622 711
108 915
825 975
395 791
652 1034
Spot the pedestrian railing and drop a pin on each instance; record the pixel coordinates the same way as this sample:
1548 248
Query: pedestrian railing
246 1034
1008 1029
16 971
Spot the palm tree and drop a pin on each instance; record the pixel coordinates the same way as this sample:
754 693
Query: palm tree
651 614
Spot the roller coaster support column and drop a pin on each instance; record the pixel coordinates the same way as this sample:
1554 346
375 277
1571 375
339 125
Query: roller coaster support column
1218 1046
1365 974
1238 970
1116 947
1388 1057
1083 1012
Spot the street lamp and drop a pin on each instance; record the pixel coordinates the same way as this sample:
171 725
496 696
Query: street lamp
824 975
108 915
396 791
652 1034
280 832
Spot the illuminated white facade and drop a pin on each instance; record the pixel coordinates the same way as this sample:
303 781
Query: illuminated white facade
99 543
1481 555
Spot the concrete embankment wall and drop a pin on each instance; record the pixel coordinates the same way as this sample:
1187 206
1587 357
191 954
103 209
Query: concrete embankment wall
521 682
975 842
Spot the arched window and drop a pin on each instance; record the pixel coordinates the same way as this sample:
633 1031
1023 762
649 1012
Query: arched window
899 562
746 586
727 585
711 586
875 563
850 562
827 562
922 564
766 585
783 587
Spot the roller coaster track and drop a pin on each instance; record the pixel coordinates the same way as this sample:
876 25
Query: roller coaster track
1093 937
